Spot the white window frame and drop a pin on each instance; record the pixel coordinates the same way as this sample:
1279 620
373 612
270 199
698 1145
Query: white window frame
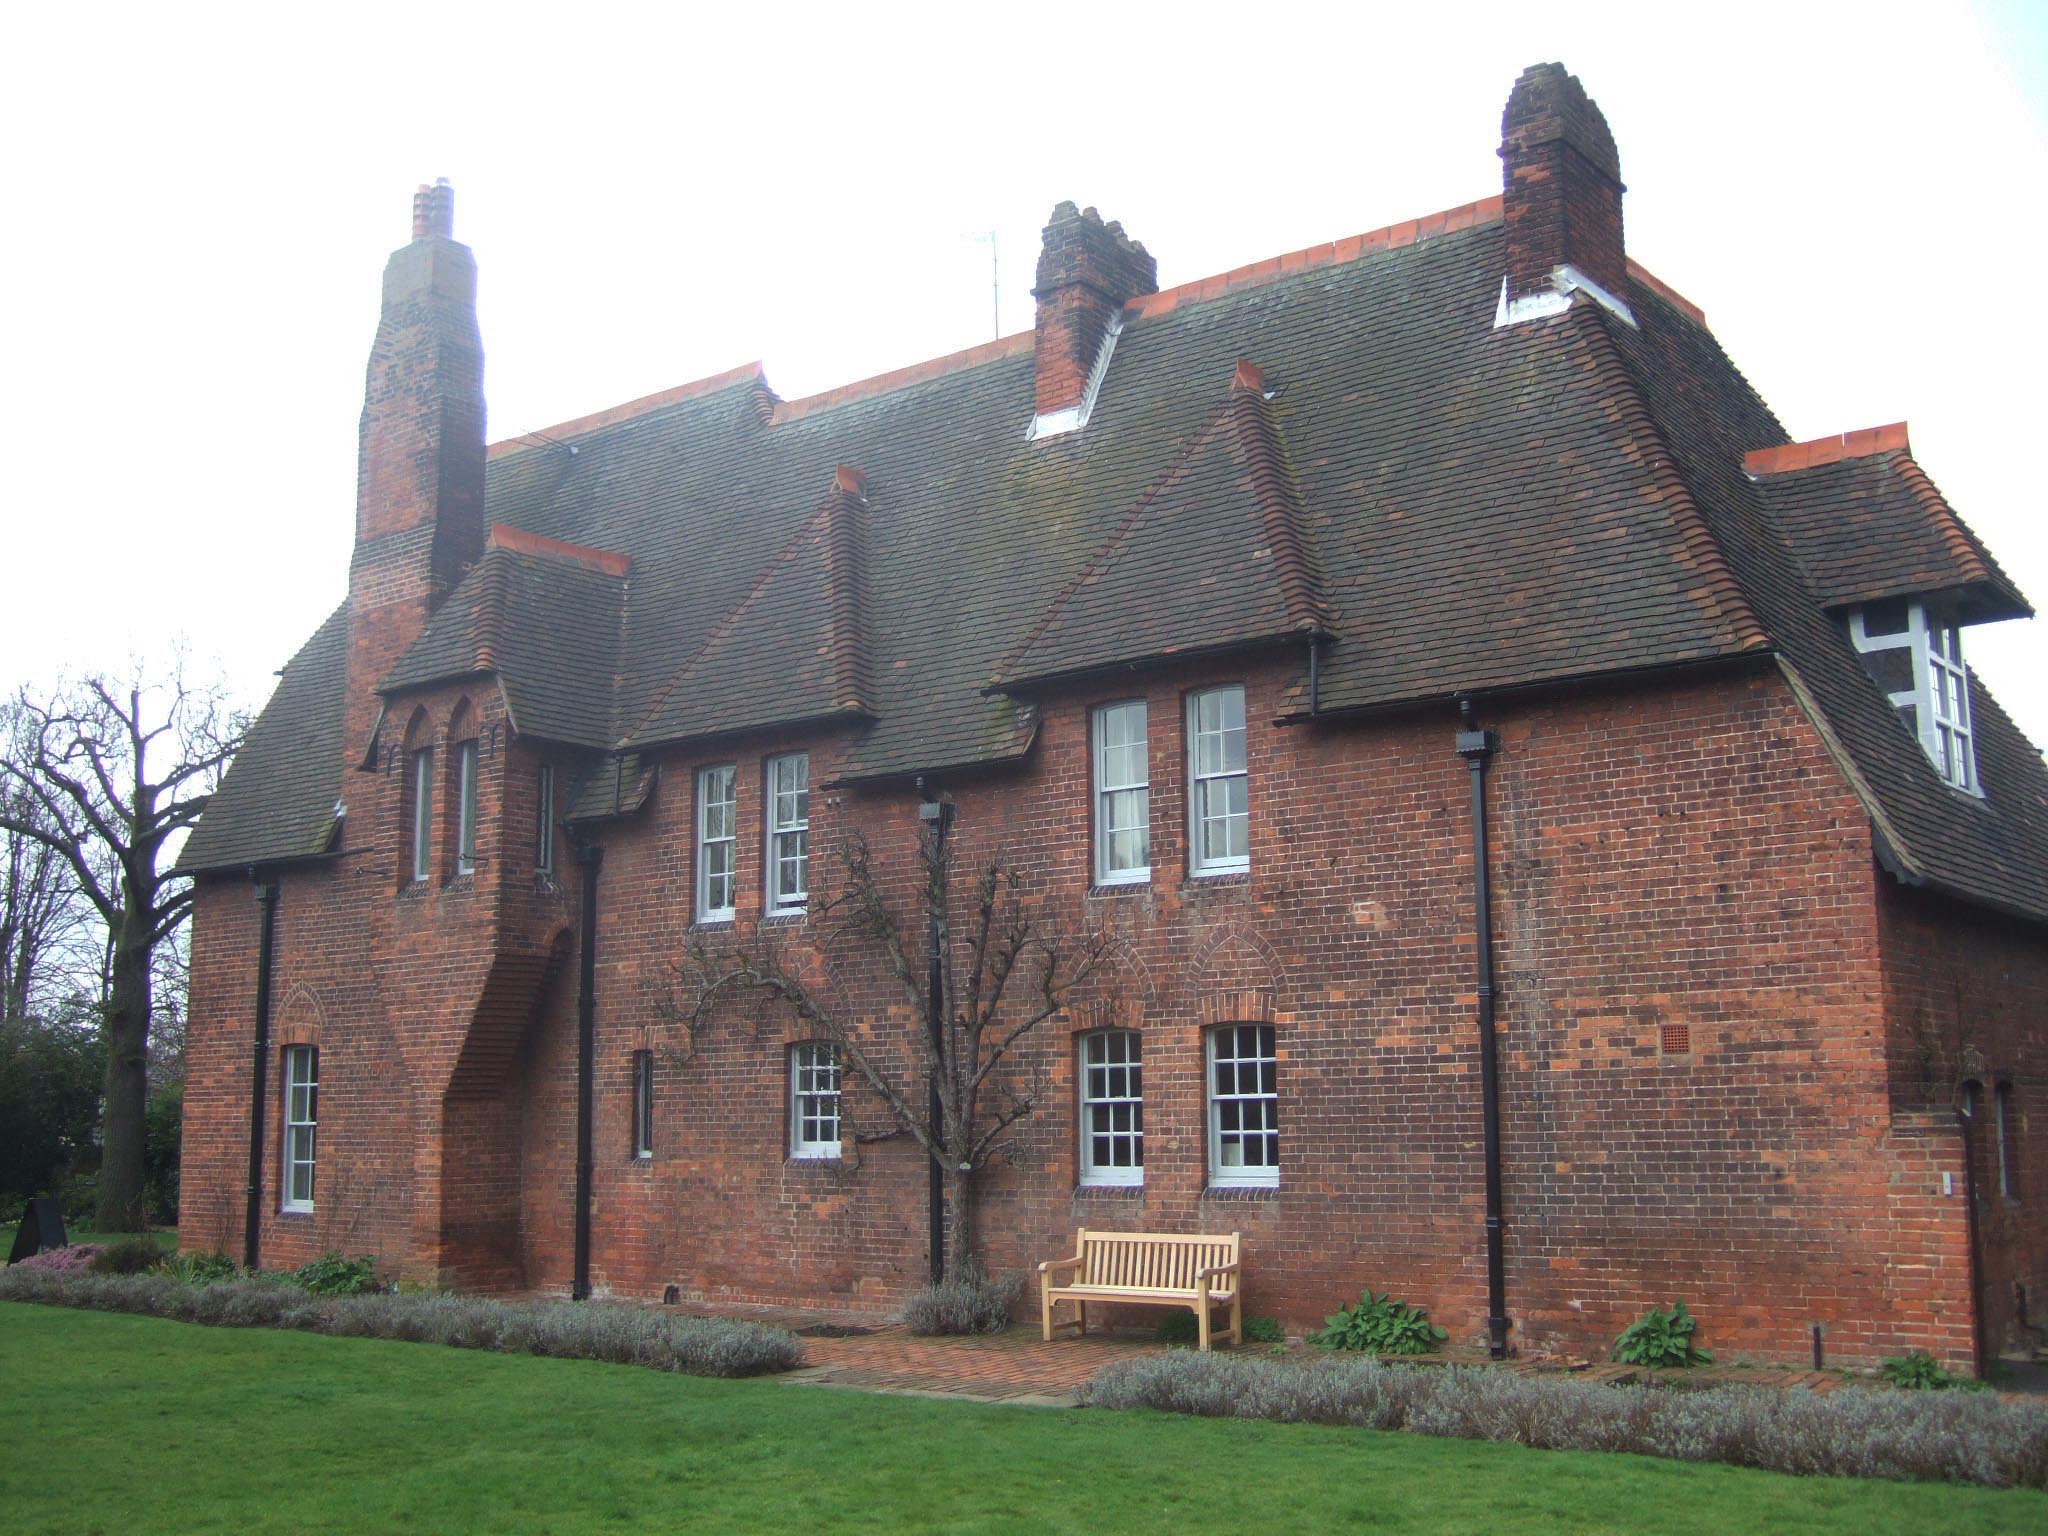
1201 776
816 1121
789 827
1116 787
1264 1041
465 807
422 814
1940 695
544 823
643 1106
724 776
301 1126
1111 1059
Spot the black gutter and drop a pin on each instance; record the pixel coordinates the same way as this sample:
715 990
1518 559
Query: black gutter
589 856
940 815
266 949
1477 747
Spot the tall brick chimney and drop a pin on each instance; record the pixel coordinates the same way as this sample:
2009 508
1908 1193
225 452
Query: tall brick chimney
420 459
1087 271
1562 186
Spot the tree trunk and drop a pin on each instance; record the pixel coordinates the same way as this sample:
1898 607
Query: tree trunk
962 1256
127 1089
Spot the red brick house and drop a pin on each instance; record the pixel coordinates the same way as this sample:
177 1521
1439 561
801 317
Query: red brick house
1236 615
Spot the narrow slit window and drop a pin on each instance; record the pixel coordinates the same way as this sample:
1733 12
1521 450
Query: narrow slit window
1123 796
422 829
301 1123
1218 798
465 822
716 843
814 1099
643 1104
1244 1106
2001 1108
1112 1108
789 832
544 820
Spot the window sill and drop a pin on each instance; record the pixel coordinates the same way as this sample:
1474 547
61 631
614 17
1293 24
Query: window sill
1241 1192
716 924
1121 887
789 915
295 1210
460 885
815 1159
1216 877
1110 1191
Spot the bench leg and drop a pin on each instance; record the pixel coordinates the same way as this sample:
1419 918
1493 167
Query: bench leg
1081 1317
1202 1325
1237 1319
1045 1307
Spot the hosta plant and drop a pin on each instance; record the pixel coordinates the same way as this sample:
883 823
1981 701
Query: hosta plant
1380 1325
1661 1338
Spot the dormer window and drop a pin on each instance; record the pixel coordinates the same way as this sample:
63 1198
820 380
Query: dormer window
1916 656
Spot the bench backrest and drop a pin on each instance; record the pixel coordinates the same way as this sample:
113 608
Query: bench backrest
1152 1259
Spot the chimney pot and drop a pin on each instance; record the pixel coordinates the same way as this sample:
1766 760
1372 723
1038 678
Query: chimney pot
433 211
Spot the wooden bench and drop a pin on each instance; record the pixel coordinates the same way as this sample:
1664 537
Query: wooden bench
1147 1269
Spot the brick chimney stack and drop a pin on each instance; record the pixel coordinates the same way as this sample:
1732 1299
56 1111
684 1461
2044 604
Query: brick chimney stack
1087 271
1562 186
420 457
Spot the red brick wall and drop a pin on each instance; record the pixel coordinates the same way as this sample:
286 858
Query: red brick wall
1683 859
1965 995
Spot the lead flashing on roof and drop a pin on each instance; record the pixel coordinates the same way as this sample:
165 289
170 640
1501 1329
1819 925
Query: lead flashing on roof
1075 417
1565 281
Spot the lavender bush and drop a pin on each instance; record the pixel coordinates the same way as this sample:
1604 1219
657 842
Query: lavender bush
1953 1437
691 1346
968 1303
75 1259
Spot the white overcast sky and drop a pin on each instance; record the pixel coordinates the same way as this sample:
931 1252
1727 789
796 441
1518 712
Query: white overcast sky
202 200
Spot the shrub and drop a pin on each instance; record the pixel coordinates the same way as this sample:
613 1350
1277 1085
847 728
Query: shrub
129 1256
1264 1330
969 1303
1917 1372
1178 1328
1660 1338
1952 1436
333 1275
1380 1325
203 1268
74 1259
694 1346
81 1197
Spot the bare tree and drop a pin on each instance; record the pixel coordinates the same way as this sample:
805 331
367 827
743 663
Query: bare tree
45 922
105 775
958 1089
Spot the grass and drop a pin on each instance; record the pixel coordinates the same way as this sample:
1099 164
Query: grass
120 1424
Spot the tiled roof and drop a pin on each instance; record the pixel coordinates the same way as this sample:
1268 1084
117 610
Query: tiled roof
1871 525
278 801
1212 557
546 621
1992 850
1459 507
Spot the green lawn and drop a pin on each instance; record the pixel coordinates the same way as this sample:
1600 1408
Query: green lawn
127 1424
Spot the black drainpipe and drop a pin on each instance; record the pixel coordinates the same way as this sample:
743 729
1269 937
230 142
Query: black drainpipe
589 856
1477 746
940 815
266 946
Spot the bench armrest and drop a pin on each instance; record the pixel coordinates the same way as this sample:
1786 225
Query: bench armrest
1219 1269
1052 1264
